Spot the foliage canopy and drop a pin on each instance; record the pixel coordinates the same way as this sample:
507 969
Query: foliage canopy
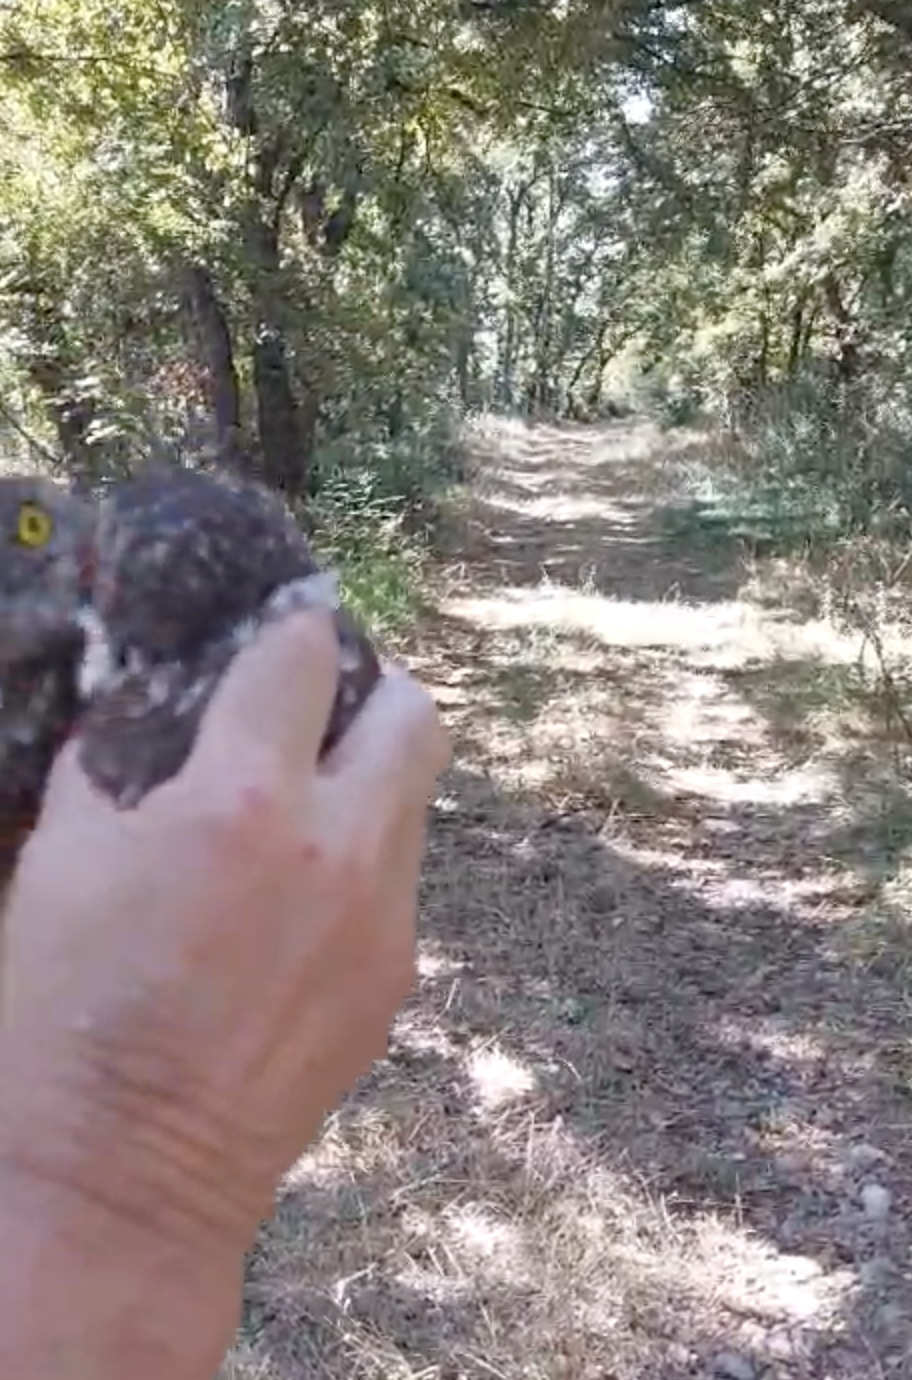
313 235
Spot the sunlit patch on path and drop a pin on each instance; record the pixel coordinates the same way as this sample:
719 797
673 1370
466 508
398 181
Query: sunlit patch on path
648 1112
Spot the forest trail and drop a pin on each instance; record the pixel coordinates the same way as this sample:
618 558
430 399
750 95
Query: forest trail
648 1116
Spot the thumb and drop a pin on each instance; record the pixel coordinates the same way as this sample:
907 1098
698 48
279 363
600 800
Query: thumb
275 700
69 792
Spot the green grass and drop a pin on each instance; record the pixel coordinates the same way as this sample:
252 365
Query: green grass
378 508
769 514
381 569
809 466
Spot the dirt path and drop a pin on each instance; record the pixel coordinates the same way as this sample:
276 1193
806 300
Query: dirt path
649 1115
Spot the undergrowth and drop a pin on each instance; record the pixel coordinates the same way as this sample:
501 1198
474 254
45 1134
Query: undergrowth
375 512
815 485
380 565
821 475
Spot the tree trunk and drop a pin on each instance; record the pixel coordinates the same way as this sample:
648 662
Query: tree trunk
284 461
541 389
210 338
286 438
796 338
508 347
286 444
72 417
847 331
592 352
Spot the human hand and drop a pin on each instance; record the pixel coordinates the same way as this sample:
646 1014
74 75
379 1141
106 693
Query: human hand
188 987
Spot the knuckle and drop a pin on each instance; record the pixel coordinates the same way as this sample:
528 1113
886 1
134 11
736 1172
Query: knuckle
249 811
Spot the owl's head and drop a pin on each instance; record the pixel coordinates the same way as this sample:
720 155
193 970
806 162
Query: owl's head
46 558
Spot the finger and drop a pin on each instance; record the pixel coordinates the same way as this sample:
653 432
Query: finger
69 792
396 746
274 701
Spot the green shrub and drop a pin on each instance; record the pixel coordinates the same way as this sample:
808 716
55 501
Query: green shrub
840 454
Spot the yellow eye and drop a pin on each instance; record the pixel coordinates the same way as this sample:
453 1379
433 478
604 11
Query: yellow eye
35 527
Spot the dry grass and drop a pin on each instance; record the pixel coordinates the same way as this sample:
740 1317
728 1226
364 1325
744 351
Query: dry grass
626 1118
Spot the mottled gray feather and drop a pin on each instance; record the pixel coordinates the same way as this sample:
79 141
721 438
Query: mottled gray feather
189 566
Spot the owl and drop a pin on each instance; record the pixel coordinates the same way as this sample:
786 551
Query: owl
188 567
46 560
119 619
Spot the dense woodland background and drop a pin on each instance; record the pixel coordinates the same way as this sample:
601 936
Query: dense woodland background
317 236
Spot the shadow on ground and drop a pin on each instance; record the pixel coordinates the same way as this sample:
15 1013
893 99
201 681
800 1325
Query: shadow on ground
602 532
646 1115
615 1100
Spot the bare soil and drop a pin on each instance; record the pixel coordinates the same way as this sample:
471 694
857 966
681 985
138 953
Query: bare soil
648 1114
